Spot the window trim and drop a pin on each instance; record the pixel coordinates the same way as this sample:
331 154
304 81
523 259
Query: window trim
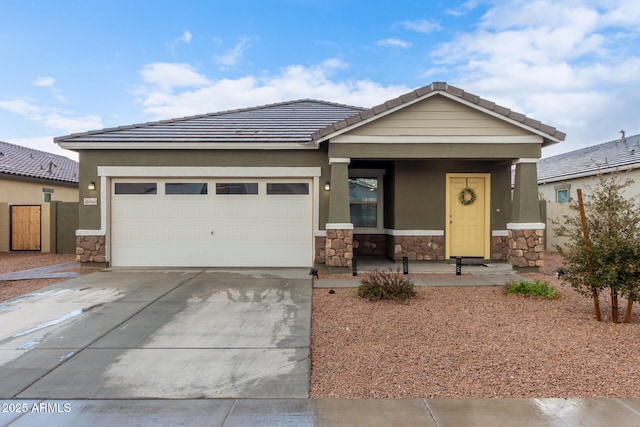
372 173
267 183
562 187
257 188
116 184
167 184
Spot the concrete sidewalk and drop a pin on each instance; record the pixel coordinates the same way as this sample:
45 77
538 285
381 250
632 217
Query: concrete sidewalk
324 412
431 274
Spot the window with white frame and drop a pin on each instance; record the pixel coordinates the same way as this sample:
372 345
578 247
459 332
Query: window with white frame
562 193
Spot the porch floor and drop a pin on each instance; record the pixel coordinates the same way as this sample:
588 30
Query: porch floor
427 273
475 266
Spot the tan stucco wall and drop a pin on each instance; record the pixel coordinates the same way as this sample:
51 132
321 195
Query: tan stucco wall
4 227
555 211
19 192
549 193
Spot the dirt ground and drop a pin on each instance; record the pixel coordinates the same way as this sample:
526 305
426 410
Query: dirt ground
11 262
472 342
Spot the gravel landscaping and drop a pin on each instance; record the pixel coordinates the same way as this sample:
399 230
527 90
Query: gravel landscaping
474 342
17 261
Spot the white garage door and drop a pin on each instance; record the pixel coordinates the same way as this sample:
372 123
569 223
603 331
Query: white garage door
211 222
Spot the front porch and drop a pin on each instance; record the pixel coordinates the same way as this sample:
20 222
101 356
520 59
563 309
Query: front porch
408 208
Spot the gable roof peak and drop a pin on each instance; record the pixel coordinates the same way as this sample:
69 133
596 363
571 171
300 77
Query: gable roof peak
550 134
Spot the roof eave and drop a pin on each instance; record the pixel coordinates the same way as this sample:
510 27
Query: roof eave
172 145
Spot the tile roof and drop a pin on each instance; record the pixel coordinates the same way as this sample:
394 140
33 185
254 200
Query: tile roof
27 162
292 121
452 91
618 153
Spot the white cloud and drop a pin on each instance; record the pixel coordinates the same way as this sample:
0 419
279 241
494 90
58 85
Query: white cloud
46 144
394 43
168 76
233 56
44 81
420 25
185 37
57 93
292 82
52 118
464 8
71 124
19 106
558 62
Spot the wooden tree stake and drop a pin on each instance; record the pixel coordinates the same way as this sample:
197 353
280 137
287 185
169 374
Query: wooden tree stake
585 230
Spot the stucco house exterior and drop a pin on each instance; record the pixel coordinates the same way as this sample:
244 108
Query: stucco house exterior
34 185
425 175
560 176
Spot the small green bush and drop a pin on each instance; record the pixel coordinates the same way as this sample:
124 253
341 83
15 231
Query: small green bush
536 288
388 285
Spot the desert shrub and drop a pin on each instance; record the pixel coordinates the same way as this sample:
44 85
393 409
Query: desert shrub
609 258
536 288
388 285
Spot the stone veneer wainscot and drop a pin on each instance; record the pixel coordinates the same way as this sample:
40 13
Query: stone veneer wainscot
339 248
91 249
526 248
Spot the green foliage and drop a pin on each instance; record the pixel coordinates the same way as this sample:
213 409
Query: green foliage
613 258
536 288
387 285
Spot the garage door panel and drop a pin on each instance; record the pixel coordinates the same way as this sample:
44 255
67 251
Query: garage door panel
212 229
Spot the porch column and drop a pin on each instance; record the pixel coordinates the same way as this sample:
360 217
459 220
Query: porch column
526 229
525 206
339 196
339 243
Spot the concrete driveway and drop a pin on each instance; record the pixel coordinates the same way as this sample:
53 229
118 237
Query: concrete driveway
177 334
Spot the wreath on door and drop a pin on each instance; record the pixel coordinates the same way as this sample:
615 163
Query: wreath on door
467 196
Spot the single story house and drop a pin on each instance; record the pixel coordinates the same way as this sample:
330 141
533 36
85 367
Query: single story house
38 200
425 175
560 176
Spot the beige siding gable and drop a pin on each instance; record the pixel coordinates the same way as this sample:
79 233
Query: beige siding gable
438 116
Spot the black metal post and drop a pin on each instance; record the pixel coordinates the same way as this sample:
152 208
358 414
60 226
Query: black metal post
354 267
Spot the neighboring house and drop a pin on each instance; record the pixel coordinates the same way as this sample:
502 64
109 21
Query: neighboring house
559 177
306 181
34 187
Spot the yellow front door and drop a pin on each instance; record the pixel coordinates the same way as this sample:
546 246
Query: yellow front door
467 204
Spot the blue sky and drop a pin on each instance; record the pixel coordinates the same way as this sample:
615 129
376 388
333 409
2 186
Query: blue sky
69 66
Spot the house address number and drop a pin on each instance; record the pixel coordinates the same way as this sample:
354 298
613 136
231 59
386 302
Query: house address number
91 201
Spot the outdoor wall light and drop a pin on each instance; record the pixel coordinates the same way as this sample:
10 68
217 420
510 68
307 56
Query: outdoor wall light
327 186
91 186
